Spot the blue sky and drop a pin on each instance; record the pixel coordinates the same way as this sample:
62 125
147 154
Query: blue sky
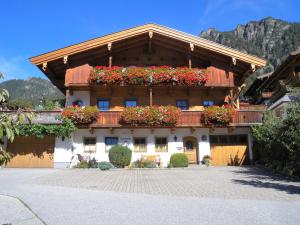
29 28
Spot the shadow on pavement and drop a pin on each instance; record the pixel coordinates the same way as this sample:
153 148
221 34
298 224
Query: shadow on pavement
260 178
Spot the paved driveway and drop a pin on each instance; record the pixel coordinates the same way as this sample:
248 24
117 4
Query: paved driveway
214 195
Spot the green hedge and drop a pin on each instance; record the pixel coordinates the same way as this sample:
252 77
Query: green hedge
120 156
179 160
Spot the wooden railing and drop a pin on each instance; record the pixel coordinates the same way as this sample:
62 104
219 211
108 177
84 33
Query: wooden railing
187 118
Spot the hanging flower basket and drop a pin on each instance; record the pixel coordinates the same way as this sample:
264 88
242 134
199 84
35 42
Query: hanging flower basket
81 115
155 75
150 116
216 115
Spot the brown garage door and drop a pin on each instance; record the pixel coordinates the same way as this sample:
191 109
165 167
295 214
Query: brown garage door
31 152
229 150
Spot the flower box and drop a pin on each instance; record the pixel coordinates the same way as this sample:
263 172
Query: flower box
150 116
216 115
155 75
81 115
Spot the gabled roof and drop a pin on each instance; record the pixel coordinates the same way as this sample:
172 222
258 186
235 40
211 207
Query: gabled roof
156 29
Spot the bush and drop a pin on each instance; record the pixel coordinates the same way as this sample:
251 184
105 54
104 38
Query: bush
143 164
179 160
105 165
120 156
93 163
82 165
277 141
206 160
149 164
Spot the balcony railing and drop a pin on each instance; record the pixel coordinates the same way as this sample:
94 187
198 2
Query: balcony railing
187 118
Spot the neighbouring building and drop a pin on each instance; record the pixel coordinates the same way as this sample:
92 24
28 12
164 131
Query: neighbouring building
275 89
157 66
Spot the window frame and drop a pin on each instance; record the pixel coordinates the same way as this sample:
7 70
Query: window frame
182 100
108 147
130 99
103 99
210 103
159 149
87 147
138 149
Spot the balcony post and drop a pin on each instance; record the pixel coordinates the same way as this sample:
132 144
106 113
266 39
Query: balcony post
150 96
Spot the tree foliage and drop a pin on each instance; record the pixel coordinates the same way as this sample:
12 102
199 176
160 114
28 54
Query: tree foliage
277 141
8 125
63 130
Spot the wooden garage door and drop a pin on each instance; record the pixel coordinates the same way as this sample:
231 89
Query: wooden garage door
229 150
31 152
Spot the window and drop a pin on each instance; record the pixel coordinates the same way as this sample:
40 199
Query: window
130 103
103 104
89 144
182 104
161 144
110 141
139 144
208 103
228 139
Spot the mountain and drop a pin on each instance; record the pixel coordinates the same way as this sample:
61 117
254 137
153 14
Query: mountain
31 89
269 38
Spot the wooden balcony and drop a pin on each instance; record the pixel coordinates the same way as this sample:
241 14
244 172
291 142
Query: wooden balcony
110 119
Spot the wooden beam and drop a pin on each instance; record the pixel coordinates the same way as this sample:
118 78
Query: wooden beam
150 42
150 96
109 46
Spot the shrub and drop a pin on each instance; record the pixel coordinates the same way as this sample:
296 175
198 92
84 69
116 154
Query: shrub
278 140
143 164
218 115
104 165
93 163
179 160
81 115
149 164
120 156
82 165
206 160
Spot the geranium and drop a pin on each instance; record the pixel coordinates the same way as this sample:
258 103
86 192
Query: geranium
106 75
218 115
81 115
155 75
136 75
150 116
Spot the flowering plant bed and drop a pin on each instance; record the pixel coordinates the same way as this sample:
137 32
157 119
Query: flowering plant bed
81 115
154 75
218 115
150 116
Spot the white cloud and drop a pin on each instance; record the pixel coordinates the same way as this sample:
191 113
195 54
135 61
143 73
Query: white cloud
10 67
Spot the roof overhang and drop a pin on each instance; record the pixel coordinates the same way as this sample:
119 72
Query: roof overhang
162 30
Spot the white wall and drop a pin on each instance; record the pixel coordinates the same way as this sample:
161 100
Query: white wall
65 149
84 96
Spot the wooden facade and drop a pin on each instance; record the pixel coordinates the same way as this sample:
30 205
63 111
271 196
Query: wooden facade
69 69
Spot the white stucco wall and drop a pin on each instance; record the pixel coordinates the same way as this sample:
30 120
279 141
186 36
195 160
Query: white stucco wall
84 96
65 149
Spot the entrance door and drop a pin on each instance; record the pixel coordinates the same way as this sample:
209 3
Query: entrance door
190 149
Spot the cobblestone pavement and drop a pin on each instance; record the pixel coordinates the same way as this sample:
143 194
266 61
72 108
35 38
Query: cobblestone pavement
210 196
212 182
